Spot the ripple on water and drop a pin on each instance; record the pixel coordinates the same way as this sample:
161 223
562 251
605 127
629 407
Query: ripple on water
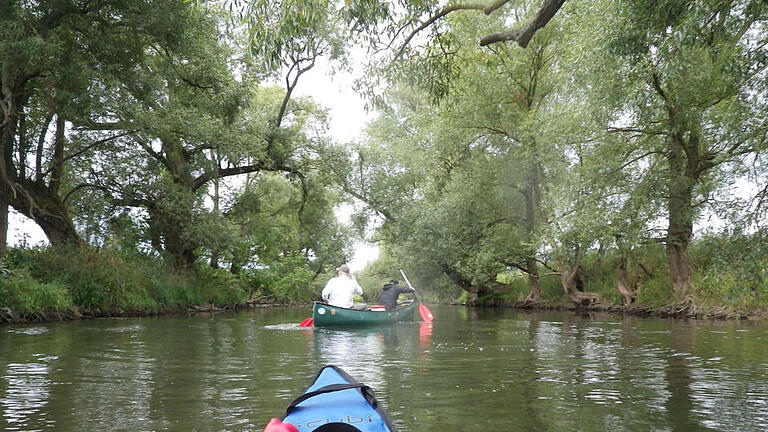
27 390
31 331
287 326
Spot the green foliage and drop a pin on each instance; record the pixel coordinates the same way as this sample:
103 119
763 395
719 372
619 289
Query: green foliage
281 32
514 287
287 280
109 280
5 269
21 293
733 269
656 292
216 286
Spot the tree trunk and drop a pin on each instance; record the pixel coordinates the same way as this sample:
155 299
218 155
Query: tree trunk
3 223
182 252
215 251
680 209
168 233
8 122
627 289
533 280
474 291
42 202
568 276
173 215
36 202
532 202
680 269
686 166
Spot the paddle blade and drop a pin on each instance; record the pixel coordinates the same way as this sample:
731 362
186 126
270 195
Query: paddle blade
309 322
426 315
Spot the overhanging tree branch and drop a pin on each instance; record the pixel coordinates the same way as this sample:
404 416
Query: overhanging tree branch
204 178
523 36
487 9
290 85
90 146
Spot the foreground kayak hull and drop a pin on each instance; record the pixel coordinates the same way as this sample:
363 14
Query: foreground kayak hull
325 315
335 397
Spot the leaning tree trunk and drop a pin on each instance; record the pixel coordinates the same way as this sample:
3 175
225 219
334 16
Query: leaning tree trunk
38 203
43 203
475 292
568 275
626 287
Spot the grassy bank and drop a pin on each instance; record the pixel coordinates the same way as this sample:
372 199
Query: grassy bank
45 283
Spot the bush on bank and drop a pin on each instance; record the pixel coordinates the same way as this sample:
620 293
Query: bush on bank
55 280
286 281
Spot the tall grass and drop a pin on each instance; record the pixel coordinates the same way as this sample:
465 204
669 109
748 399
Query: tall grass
54 279
731 270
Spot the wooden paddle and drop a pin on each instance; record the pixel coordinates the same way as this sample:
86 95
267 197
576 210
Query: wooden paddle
426 315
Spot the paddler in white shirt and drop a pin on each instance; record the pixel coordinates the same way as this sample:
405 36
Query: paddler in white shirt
340 291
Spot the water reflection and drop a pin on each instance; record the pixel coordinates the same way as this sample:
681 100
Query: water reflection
27 389
359 351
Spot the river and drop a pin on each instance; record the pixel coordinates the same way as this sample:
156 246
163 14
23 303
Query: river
470 370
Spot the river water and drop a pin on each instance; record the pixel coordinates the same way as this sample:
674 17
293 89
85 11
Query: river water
470 370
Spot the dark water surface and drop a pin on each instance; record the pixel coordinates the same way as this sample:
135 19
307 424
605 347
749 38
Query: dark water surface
470 370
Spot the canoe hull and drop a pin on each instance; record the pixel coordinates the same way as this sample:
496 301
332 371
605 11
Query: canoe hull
325 315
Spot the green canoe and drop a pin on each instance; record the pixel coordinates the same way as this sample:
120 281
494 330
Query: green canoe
325 315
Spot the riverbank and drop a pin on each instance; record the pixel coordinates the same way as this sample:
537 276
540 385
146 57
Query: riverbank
686 310
8 316
51 285
679 311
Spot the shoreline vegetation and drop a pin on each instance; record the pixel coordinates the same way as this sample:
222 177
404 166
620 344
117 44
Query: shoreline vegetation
51 284
677 311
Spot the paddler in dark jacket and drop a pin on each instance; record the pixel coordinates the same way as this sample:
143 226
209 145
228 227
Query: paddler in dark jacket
390 292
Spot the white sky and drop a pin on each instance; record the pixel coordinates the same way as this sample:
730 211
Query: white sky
347 119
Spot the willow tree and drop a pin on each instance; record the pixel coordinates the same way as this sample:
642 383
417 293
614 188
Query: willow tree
42 95
437 188
470 147
691 104
63 63
198 114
